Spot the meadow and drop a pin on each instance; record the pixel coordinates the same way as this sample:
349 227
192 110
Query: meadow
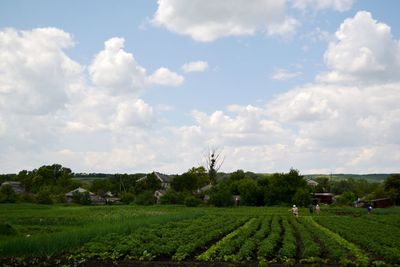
100 235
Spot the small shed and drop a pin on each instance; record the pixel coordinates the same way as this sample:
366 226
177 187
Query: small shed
381 203
326 198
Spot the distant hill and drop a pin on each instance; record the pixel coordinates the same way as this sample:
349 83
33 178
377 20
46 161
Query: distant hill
376 177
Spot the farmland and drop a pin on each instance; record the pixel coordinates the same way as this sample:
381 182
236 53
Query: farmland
181 236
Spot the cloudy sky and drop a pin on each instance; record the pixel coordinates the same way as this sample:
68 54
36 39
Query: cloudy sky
136 86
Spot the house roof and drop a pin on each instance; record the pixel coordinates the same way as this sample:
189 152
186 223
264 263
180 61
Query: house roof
162 177
78 190
323 194
12 183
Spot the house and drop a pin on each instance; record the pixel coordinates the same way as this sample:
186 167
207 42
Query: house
110 198
159 193
95 199
326 198
203 189
311 182
164 179
15 186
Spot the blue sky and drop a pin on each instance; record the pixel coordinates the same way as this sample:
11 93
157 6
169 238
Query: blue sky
302 83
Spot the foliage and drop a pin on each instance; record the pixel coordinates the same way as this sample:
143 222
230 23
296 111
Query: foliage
192 201
81 198
127 197
145 198
43 196
392 187
191 180
173 197
302 197
346 199
250 192
7 194
283 186
220 195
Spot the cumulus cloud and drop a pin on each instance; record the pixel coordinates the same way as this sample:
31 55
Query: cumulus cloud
364 51
284 29
116 70
338 5
36 75
195 66
208 20
165 77
283 75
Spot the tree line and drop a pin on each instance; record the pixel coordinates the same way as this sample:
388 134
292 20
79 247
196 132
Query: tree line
48 184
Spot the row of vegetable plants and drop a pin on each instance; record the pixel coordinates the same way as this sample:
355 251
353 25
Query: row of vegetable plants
174 240
349 250
227 245
379 239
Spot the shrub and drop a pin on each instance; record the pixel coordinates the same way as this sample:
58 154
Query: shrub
81 198
127 197
192 201
43 197
7 194
221 196
145 198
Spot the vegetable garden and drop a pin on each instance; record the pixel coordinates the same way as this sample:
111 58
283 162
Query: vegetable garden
205 236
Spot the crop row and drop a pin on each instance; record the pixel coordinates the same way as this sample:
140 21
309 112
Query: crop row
379 239
176 239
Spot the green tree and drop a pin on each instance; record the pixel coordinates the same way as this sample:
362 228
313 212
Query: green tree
220 195
302 197
43 196
346 199
392 187
283 186
250 192
7 194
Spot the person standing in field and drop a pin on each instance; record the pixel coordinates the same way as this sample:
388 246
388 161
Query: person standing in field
369 208
317 209
295 211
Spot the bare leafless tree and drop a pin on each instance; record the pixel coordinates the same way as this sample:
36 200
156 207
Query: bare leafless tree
213 161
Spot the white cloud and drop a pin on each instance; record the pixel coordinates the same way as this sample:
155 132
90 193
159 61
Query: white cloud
195 66
208 20
36 76
285 29
283 75
338 5
165 77
364 51
117 71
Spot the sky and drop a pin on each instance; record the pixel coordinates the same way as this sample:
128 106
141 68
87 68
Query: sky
141 86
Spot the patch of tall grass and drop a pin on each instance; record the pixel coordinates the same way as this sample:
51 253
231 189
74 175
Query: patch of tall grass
48 244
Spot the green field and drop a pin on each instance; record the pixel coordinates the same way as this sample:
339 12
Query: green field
83 235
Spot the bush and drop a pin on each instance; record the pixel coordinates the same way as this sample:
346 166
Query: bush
7 194
81 198
346 199
145 198
302 197
173 197
43 197
127 197
220 196
192 201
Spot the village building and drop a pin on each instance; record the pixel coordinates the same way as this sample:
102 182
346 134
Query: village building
326 198
163 178
15 186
